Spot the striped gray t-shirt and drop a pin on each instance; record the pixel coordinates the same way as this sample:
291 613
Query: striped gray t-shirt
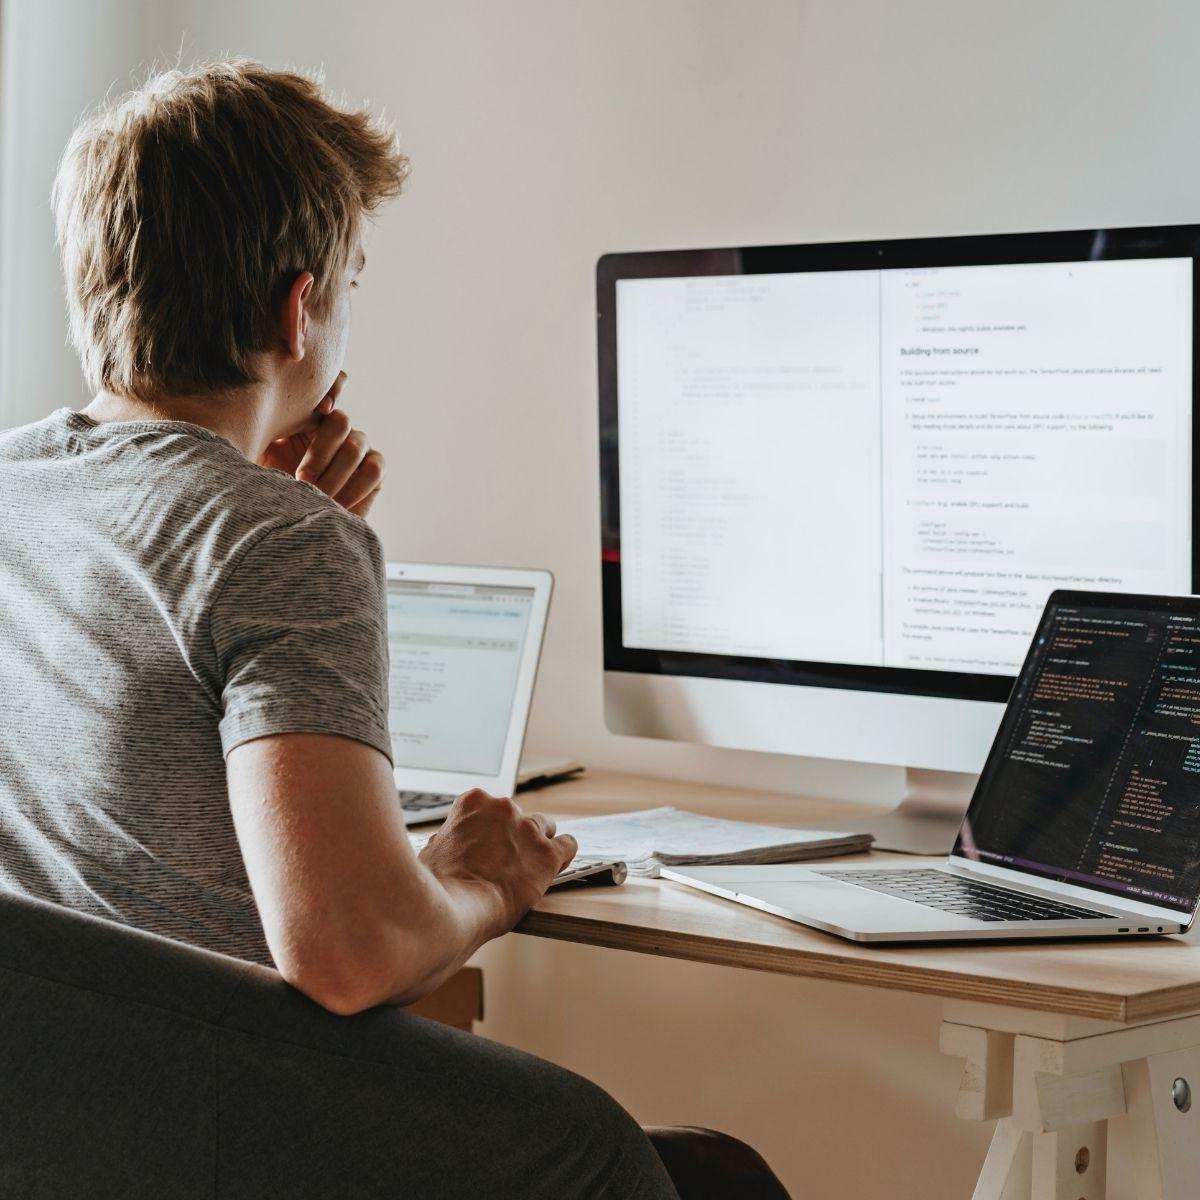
162 600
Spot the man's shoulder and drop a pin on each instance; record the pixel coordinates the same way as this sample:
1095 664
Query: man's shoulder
199 492
261 503
209 474
281 502
251 487
178 497
250 539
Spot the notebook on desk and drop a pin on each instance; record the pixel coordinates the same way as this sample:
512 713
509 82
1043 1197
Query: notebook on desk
658 837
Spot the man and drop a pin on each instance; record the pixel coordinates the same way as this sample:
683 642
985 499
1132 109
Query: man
192 611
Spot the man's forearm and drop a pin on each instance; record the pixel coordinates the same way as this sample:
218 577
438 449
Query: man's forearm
351 916
365 958
459 919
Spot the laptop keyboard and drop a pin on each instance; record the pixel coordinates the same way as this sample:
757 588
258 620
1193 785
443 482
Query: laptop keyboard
420 801
964 897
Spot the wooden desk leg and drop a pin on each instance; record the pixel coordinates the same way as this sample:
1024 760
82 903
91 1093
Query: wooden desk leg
1052 1083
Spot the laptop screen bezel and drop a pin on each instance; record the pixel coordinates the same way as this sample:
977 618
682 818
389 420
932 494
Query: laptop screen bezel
1077 892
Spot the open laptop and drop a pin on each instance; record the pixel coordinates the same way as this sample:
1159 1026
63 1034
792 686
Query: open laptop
463 644
1086 818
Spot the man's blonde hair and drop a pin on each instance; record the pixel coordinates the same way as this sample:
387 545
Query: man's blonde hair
186 209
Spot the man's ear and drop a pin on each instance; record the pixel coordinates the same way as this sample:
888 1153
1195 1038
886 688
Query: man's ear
294 315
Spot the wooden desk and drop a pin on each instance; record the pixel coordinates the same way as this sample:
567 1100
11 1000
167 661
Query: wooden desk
1056 1037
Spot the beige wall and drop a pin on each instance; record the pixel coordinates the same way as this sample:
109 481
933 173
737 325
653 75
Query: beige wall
544 133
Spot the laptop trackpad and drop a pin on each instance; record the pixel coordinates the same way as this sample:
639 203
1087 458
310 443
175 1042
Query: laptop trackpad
804 894
848 907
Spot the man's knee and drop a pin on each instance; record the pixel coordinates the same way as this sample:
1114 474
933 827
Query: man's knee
601 1151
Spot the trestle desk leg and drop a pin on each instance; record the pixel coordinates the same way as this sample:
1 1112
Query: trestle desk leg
1052 1084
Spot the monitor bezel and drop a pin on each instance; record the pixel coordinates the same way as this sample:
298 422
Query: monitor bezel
1168 241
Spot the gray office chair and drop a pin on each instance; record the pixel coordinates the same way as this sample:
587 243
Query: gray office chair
132 1066
136 1067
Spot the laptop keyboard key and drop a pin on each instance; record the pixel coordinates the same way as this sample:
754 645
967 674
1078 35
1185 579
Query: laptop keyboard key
421 801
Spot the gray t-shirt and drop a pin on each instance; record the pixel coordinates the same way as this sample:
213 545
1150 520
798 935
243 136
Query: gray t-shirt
162 600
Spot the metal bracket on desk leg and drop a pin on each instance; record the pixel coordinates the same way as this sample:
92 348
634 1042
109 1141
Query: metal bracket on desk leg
1163 1095
1051 1138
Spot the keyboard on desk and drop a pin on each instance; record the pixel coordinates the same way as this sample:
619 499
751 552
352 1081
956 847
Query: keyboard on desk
964 897
591 870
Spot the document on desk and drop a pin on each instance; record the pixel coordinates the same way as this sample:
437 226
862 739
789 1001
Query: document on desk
673 837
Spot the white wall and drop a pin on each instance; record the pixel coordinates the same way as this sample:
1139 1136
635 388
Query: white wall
544 133
56 60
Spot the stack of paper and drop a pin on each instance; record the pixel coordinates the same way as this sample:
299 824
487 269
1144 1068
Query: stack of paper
671 837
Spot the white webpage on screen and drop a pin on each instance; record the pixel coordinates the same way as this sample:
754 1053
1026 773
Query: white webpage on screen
896 467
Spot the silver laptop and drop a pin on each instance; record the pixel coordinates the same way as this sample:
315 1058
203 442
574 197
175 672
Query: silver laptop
463 645
1086 818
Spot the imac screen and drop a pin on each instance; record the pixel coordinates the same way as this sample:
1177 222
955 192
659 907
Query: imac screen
869 465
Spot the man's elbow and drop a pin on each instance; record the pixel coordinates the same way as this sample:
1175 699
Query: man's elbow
343 987
346 985
342 997
341 1001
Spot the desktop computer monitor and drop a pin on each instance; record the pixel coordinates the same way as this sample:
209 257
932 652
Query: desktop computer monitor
838 481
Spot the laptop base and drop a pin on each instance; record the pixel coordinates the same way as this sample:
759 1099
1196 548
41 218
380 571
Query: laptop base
820 898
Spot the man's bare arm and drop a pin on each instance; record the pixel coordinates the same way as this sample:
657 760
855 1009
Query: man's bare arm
352 916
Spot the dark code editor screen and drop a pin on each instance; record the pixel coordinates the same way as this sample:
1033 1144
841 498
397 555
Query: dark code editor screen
1095 776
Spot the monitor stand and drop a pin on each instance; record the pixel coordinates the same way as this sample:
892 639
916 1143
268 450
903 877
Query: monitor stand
926 820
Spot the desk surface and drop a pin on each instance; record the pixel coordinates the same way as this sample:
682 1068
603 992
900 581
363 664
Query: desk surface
1124 981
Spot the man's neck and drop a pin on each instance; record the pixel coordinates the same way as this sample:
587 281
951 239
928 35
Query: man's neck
241 418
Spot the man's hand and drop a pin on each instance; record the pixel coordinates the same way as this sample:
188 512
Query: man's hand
490 845
332 455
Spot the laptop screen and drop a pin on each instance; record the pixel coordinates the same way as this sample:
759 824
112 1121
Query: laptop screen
455 654
1094 777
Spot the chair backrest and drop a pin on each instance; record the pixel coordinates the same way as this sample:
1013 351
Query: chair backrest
106 1053
132 1066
